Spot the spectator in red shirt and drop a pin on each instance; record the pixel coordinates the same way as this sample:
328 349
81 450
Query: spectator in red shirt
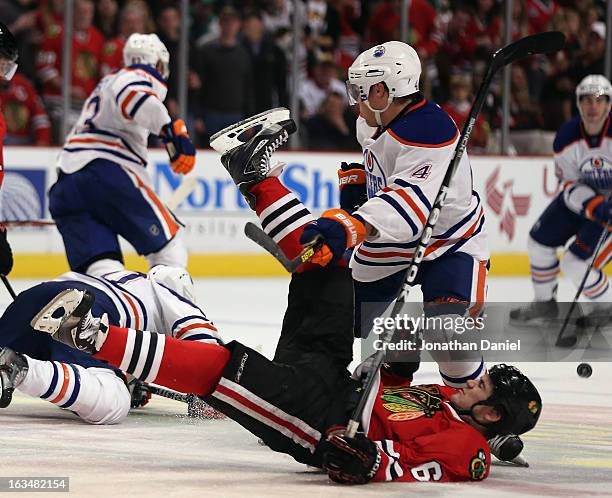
107 18
539 14
135 17
425 35
50 17
458 108
26 119
87 46
457 49
525 113
485 29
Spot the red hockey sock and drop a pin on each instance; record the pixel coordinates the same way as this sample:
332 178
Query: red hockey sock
185 366
282 215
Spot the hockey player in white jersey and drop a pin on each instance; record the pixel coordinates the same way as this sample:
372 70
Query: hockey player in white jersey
103 189
160 301
408 142
583 164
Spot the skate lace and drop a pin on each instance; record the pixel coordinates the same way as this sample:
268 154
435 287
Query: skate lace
270 149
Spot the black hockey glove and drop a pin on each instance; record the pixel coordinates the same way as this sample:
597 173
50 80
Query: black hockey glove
351 179
350 460
138 391
6 255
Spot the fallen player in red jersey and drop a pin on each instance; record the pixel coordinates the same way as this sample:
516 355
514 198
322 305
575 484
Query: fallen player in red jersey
410 433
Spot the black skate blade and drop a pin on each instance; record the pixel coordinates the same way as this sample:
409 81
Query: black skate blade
289 126
229 138
6 395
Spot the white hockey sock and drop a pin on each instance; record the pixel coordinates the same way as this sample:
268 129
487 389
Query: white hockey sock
174 253
96 395
596 288
457 373
544 266
104 266
456 367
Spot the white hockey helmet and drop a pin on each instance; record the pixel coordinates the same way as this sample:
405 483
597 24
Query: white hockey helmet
394 63
174 278
148 50
594 84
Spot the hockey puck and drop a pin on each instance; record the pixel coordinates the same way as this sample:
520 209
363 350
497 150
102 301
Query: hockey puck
584 370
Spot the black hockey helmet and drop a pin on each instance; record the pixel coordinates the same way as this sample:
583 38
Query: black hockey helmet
8 51
517 400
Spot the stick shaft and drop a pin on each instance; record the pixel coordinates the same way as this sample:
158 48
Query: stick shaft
8 286
182 192
568 315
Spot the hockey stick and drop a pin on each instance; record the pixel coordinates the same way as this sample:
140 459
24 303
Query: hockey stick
535 44
182 192
196 407
167 393
8 286
571 340
257 235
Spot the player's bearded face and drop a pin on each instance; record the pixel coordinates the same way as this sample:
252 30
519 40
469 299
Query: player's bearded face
594 109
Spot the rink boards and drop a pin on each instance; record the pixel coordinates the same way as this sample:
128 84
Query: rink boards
514 191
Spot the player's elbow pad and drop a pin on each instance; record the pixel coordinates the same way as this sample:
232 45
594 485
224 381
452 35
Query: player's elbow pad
150 114
576 196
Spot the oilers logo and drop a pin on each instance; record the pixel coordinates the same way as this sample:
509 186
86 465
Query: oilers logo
375 178
596 171
379 51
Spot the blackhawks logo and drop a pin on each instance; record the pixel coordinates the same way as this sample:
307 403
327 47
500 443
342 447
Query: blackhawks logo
409 403
478 466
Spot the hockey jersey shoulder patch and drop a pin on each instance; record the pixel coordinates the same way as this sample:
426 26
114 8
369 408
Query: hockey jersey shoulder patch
425 125
567 134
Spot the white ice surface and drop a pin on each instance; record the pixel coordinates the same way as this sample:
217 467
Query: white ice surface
159 451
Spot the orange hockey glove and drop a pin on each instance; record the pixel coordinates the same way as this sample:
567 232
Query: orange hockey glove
179 146
339 230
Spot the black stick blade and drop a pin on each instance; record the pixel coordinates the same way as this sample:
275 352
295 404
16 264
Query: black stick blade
261 238
541 43
567 341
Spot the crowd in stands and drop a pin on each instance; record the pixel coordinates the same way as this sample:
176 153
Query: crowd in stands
241 52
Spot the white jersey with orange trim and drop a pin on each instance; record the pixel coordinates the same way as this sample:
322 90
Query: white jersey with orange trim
144 304
405 165
583 164
116 121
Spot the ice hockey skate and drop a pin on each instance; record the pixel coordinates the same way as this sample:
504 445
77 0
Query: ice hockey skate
249 163
13 369
67 317
239 133
595 319
586 326
535 314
